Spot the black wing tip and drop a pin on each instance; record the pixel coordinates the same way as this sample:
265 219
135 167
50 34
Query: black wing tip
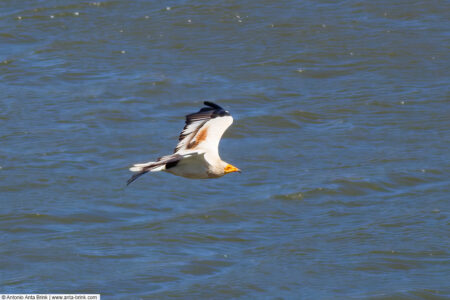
218 110
212 110
213 105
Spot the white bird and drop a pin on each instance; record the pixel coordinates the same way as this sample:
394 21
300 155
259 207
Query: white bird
197 154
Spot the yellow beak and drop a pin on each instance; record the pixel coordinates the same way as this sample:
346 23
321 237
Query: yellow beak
230 169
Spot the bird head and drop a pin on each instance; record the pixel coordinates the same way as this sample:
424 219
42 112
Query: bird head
230 169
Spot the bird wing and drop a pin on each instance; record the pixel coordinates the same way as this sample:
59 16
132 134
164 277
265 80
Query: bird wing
204 129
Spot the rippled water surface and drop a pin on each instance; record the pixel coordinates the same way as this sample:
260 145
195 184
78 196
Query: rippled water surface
341 129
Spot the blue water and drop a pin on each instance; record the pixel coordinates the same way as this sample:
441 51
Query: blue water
341 127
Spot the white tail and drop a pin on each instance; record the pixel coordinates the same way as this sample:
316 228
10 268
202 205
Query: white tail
136 169
147 167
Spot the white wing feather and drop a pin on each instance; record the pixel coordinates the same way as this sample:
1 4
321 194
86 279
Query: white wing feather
215 129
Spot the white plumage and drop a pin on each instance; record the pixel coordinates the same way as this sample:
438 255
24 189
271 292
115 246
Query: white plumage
197 154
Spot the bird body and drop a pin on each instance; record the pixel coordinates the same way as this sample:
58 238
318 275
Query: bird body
198 167
197 154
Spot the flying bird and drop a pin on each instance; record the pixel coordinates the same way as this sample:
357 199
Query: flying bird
197 154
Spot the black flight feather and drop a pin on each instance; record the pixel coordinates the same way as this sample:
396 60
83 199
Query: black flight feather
213 105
